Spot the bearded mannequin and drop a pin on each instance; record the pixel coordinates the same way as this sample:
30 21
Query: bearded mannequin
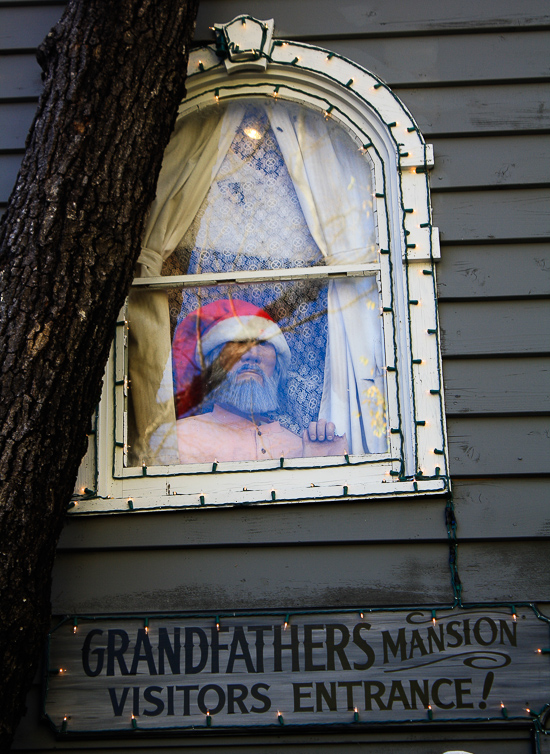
242 375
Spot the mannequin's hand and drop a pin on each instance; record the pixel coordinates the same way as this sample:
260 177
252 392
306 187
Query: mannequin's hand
320 439
320 431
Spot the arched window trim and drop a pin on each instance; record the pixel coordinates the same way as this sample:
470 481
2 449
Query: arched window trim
384 129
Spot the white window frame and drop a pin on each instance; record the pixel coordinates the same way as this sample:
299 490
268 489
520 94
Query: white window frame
417 460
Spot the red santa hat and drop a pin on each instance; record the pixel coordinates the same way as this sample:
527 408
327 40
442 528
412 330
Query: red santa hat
210 326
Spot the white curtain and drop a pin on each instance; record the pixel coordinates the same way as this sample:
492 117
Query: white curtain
334 186
191 161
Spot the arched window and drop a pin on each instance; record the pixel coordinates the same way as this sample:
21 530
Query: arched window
283 319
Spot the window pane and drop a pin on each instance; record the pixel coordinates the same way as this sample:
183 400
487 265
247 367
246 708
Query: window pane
249 373
289 188
251 218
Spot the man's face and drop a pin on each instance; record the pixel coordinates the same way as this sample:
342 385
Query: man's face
249 378
249 360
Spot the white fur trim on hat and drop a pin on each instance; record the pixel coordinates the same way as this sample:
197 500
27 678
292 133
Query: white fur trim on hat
247 327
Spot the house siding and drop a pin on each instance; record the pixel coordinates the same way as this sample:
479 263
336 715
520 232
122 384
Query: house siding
475 76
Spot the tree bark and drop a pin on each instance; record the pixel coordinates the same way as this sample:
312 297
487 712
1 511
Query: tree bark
114 74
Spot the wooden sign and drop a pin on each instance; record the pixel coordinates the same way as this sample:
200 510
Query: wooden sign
323 668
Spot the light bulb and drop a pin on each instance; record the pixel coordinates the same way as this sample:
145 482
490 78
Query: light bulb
253 133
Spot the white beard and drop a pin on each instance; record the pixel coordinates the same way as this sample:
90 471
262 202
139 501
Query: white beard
248 396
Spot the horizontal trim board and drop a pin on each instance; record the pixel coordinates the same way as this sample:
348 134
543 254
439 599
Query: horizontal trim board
502 508
493 271
488 161
352 521
25 27
9 168
19 76
504 572
15 121
323 17
442 59
491 386
499 446
506 108
406 61
505 215
494 328
412 61
248 579
485 509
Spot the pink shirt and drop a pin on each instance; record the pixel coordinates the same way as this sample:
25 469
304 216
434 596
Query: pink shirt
225 436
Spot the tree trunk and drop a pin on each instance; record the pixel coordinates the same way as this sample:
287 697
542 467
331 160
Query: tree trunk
114 74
